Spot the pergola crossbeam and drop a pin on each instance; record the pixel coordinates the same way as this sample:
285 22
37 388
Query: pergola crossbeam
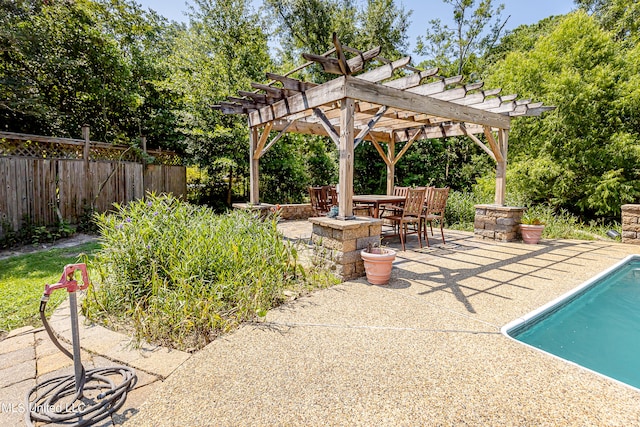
385 71
274 140
411 80
328 127
479 143
332 65
410 101
436 87
291 84
369 126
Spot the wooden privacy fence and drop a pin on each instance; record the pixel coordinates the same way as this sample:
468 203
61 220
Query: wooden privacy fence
45 179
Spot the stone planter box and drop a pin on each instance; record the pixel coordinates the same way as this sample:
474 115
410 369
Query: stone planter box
500 223
338 243
287 211
631 224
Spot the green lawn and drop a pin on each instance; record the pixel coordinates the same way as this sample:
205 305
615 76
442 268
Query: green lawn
22 280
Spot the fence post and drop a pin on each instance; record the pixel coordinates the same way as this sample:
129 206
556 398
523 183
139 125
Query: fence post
87 173
145 178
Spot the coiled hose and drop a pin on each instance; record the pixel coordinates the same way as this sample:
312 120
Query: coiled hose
59 400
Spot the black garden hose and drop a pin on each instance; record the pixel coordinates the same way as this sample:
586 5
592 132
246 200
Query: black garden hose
97 396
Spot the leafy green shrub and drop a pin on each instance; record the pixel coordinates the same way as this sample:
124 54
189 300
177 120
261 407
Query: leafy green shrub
30 233
180 274
460 210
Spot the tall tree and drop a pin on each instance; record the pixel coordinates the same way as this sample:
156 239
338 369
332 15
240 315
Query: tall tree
583 156
461 49
223 51
65 64
620 16
307 26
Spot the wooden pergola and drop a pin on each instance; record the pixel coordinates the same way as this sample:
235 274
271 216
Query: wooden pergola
390 104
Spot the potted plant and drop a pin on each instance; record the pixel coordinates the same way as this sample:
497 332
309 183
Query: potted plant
378 262
531 228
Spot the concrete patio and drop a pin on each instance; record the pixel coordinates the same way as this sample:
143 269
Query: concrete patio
424 350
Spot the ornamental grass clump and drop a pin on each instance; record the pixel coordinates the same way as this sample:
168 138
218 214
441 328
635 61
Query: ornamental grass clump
180 274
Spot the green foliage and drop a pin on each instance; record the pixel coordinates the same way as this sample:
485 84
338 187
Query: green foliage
460 212
223 51
30 233
284 176
321 160
22 280
451 162
622 17
531 217
181 275
583 156
462 49
308 25
65 64
522 39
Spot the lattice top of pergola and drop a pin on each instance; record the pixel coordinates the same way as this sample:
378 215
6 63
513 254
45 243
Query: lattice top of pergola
419 104
394 102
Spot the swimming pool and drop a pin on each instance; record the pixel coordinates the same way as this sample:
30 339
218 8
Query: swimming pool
596 325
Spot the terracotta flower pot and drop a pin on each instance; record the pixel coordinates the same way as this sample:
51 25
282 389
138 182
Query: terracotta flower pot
378 264
531 233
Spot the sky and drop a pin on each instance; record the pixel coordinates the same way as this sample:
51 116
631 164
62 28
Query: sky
519 11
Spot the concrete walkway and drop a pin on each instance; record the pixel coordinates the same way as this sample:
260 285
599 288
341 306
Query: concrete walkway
423 350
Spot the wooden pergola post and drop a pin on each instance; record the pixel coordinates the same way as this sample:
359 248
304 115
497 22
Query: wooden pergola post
345 184
501 167
254 172
391 165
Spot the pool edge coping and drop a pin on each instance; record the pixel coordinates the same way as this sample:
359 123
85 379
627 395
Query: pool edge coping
533 316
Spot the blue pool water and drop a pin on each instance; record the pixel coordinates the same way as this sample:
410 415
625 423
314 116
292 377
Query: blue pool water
596 326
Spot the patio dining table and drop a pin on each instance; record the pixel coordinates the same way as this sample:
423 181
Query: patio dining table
376 200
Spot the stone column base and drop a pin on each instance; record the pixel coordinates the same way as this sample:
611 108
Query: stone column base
499 223
631 224
337 243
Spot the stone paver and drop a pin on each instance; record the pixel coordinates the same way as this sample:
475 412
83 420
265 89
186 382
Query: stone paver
20 331
16 357
17 342
12 403
17 373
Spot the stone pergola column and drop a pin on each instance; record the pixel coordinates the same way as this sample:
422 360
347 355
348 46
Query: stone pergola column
500 223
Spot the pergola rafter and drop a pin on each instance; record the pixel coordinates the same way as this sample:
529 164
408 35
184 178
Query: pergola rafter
375 106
